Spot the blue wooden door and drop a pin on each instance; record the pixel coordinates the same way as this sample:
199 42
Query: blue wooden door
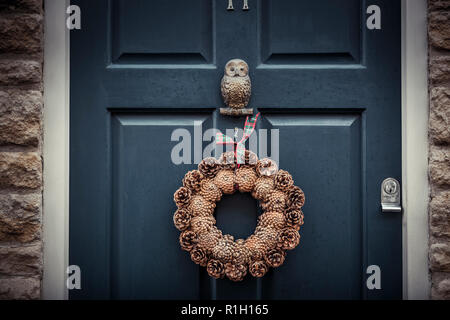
141 69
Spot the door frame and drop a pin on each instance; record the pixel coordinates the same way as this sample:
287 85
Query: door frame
415 190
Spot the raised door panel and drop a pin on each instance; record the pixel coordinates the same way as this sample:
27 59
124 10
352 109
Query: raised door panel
169 37
324 155
146 259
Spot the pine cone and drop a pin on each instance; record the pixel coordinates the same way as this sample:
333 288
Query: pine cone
250 158
268 237
201 224
235 272
192 180
295 197
224 250
266 167
294 218
245 179
182 197
188 239
258 269
215 269
263 187
182 219
283 180
199 256
275 257
209 191
288 239
241 254
209 167
225 181
272 219
227 160
276 201
207 241
256 246
199 206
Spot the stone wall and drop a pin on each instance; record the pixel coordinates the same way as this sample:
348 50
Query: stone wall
21 107
439 153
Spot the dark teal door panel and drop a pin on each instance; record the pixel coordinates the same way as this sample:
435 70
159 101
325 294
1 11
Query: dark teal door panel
142 69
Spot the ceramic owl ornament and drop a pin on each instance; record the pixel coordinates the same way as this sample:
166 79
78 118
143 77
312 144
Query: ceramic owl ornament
236 86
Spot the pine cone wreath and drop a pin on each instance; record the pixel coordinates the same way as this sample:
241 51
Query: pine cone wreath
276 201
283 180
276 230
227 160
215 268
201 224
188 239
258 269
207 241
266 167
295 197
235 272
245 179
199 206
272 219
182 197
182 219
263 187
192 180
288 239
225 181
294 218
209 167
275 257
199 256
209 191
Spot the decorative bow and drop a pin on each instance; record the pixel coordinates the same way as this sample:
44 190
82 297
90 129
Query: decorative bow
239 147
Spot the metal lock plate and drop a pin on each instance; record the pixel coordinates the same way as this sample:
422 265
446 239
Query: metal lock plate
390 195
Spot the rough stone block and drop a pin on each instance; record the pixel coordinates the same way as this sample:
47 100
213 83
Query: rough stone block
439 29
21 261
19 288
438 5
20 72
20 218
440 256
440 215
439 69
21 170
20 117
440 286
21 33
439 165
26 6
439 122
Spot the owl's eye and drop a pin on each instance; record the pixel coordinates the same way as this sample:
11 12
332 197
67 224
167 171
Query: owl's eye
242 68
232 69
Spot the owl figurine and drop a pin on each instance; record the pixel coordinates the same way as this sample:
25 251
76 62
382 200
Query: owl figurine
236 86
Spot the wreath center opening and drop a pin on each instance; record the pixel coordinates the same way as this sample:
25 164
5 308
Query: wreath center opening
237 215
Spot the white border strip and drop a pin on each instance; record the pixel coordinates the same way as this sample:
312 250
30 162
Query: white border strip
56 150
416 283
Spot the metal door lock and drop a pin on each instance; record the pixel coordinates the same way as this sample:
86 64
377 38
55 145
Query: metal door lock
390 195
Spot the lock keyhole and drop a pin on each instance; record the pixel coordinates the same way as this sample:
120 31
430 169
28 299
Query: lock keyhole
390 187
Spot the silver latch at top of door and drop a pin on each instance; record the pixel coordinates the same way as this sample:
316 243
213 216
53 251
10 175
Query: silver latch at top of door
390 195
